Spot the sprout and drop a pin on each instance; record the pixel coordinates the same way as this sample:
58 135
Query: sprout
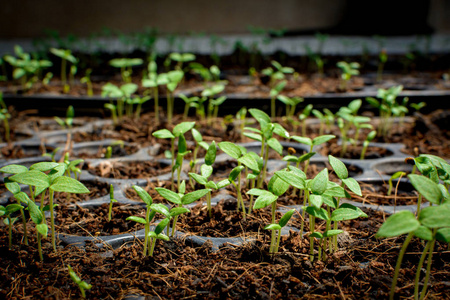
82 285
66 56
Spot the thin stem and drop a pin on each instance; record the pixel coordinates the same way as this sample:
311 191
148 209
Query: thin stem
399 262
278 241
427 276
9 232
172 151
251 198
155 95
146 230
419 201
208 203
24 222
273 236
41 257
419 268
152 248
311 239
52 218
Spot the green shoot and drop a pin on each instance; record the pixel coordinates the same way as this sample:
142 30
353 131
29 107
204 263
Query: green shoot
111 201
87 80
125 65
82 285
348 70
276 227
7 212
366 143
66 56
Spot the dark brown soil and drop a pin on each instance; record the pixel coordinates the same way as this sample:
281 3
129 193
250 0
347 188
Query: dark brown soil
129 169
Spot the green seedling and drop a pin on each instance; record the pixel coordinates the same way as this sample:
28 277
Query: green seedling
276 74
302 117
209 94
5 116
418 106
86 79
180 199
82 285
241 117
243 158
26 68
275 188
67 123
125 65
108 153
153 81
188 102
276 227
388 108
198 143
265 136
274 93
54 181
122 94
173 79
111 201
348 70
431 225
181 58
66 56
382 59
152 209
52 154
71 167
291 104
6 212
47 78
182 152
366 143
139 101
178 130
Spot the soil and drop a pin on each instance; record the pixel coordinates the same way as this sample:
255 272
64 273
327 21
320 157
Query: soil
129 169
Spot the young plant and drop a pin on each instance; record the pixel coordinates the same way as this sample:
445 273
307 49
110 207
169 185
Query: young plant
243 158
125 65
180 199
82 285
348 70
173 79
181 58
122 94
111 201
66 56
67 123
431 225
366 143
87 80
152 209
209 93
291 104
154 81
5 116
197 136
188 102
9 220
276 227
302 117
275 189
178 130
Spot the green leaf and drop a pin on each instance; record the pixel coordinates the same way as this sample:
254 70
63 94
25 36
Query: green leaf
322 139
182 128
13 169
273 227
286 217
231 149
347 213
169 195
332 232
223 183
277 186
320 213
68 185
13 208
265 198
318 184
338 166
194 196
398 224
163 134
206 170
210 156
443 235
424 233
275 145
13 187
178 211
352 185
435 216
253 136
259 115
212 185
136 219
196 135
35 213
235 173
198 178
42 229
143 195
249 161
160 227
182 145
315 200
316 235
33 178
44 166
427 187
302 140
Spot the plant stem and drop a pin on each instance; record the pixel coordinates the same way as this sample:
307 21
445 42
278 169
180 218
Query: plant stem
273 237
251 197
311 239
155 95
172 151
278 241
264 172
208 203
52 218
399 262
419 268
41 257
9 232
24 222
146 230
419 201
427 276
152 248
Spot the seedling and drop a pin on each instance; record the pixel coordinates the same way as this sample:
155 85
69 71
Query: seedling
111 201
67 123
82 285
153 81
276 227
432 224
209 93
303 116
87 80
348 70
173 79
177 131
241 117
366 143
152 209
382 61
180 199
198 143
66 56
276 188
5 116
181 58
9 220
125 65
291 104
188 102
122 94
